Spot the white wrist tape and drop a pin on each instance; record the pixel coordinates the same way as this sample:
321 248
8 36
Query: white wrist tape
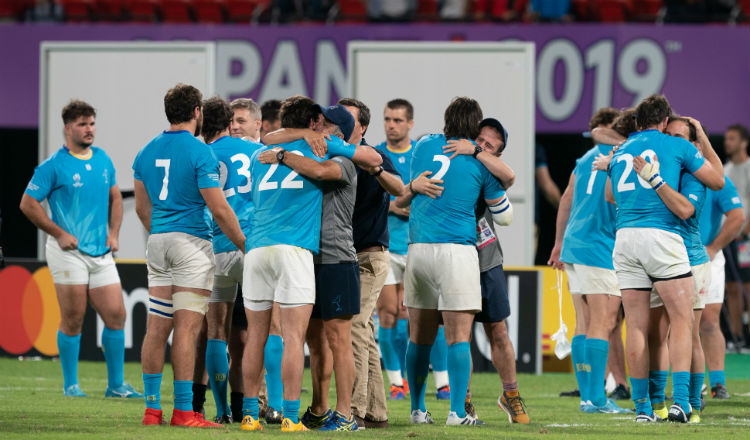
160 307
502 212
190 301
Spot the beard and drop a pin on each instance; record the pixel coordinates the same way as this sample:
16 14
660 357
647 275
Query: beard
198 125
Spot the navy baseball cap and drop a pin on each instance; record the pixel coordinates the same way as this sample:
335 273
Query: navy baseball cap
494 123
340 116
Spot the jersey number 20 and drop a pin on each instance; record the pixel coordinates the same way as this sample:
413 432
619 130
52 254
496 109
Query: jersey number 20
622 184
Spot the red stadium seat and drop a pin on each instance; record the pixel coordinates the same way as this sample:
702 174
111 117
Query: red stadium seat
646 10
141 10
108 10
209 11
176 11
581 9
245 10
14 9
76 10
428 10
352 10
612 11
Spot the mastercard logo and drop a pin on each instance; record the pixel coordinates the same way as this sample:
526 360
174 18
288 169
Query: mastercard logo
30 315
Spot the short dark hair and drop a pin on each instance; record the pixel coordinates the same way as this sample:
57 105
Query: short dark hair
397 103
692 130
603 116
75 109
217 115
462 118
298 111
364 111
180 101
270 110
624 124
651 111
741 130
248 104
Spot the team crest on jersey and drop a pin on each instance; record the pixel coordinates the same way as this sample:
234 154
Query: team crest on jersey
736 200
401 159
77 180
88 167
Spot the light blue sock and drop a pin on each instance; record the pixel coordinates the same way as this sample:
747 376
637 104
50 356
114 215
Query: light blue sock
113 346
417 368
639 390
217 367
152 390
595 357
402 339
291 410
578 356
681 388
696 386
716 377
272 360
439 352
183 395
459 372
657 382
68 347
390 356
251 407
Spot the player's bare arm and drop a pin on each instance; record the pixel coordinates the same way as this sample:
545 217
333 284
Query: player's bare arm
326 170
142 204
316 140
730 229
711 173
609 196
366 156
421 185
115 218
550 191
494 164
33 210
390 182
676 202
224 215
563 214
607 136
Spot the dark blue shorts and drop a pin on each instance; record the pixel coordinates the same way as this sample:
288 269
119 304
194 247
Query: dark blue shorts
495 305
336 290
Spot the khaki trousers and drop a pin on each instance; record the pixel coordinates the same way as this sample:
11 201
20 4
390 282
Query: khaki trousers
368 397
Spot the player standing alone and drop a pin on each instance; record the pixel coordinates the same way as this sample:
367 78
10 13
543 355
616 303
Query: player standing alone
79 183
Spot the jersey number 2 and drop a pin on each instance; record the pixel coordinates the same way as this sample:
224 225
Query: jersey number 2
445 163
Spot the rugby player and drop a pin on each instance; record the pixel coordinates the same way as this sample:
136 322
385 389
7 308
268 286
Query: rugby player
79 184
246 120
279 260
270 120
176 179
643 217
442 272
583 248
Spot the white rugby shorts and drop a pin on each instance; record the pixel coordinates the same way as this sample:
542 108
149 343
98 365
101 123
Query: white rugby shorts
644 255
701 282
716 289
180 259
75 267
591 280
228 274
280 273
396 270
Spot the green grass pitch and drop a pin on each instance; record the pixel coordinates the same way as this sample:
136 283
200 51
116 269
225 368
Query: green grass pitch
32 406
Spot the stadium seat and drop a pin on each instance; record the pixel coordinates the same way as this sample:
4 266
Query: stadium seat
581 9
239 11
610 11
141 10
76 10
14 9
108 10
352 10
428 10
209 11
176 11
646 10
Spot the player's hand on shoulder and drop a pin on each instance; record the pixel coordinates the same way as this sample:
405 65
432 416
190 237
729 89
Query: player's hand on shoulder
601 163
429 187
67 242
269 156
645 169
317 142
459 146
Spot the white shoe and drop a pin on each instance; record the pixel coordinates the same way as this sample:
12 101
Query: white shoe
454 420
420 417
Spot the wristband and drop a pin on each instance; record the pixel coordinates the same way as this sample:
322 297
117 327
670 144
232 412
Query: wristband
412 189
379 172
656 181
477 150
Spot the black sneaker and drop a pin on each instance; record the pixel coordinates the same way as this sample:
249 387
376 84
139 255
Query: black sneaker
719 392
273 417
679 415
620 393
647 418
224 419
574 393
313 421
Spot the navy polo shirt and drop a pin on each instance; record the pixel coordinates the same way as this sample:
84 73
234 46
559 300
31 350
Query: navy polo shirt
370 219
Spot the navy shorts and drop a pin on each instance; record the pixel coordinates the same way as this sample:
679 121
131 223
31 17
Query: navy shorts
731 272
495 305
336 290
239 319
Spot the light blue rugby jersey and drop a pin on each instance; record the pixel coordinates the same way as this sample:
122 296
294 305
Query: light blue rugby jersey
234 156
174 167
717 204
590 233
78 193
695 191
638 205
449 218
287 205
398 226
